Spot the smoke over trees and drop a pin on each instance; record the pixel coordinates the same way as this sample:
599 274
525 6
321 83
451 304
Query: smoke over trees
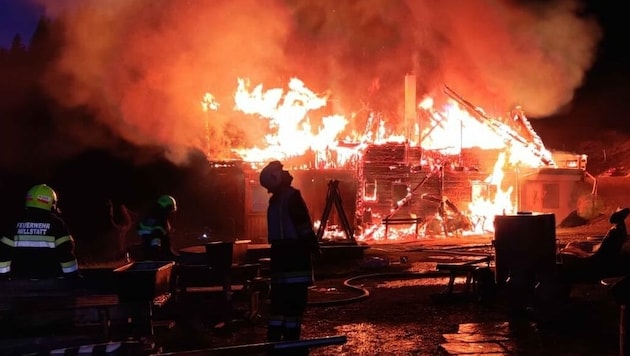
141 67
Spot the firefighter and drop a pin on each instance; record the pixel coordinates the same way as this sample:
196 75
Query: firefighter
155 230
293 241
585 261
40 245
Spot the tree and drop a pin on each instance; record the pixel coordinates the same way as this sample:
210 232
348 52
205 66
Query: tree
17 45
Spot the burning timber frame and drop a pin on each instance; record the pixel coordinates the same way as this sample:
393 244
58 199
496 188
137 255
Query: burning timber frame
396 180
389 181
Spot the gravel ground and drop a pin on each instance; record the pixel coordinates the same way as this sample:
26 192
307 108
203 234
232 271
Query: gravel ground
388 312
383 305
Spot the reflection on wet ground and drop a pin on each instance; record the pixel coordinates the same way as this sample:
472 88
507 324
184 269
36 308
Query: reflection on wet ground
402 317
517 338
399 315
411 324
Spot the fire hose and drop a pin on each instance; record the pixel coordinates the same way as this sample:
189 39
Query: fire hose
364 293
405 275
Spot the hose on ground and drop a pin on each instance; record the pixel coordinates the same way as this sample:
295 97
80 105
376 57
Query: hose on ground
364 293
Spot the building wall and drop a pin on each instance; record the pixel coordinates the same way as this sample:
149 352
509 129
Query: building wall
391 174
553 191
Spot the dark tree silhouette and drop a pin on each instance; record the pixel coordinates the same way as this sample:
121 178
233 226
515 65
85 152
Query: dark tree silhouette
17 45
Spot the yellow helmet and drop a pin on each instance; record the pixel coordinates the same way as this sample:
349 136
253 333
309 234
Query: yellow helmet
41 196
167 202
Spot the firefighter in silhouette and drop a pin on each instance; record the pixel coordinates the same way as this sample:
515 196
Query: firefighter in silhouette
39 245
606 259
293 241
155 230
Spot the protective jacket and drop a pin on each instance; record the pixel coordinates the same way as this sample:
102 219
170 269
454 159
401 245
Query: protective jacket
39 247
155 233
291 236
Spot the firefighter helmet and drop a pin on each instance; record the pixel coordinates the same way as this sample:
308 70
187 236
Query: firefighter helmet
271 176
41 196
619 215
167 202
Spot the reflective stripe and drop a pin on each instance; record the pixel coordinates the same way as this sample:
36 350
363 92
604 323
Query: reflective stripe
63 239
5 266
289 280
93 349
275 320
293 277
292 324
7 241
156 242
34 241
69 267
148 229
45 244
46 238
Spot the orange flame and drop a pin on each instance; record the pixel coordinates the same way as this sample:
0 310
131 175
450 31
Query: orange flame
449 130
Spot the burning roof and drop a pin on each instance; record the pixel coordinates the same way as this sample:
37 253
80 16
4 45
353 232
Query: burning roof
296 127
400 159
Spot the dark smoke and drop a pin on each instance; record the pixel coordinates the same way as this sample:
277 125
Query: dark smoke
143 66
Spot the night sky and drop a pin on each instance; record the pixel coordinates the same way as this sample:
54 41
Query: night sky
18 17
601 103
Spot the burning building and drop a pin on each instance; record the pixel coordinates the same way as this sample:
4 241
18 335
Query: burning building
449 173
432 156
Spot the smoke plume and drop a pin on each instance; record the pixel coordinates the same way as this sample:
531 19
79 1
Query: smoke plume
143 66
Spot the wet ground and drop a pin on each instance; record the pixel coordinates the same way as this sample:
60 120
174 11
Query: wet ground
390 302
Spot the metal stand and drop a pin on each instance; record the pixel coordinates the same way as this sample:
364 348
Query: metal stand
334 197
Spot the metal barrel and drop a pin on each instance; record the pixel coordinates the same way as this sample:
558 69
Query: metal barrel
525 244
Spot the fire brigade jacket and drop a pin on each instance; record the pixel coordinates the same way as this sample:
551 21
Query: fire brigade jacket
155 234
291 236
40 247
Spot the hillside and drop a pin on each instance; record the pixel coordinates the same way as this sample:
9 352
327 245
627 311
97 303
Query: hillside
608 149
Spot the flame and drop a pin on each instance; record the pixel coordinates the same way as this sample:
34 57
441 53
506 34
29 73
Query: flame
448 129
453 129
287 113
484 207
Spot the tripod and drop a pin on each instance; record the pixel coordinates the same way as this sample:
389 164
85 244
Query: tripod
334 197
